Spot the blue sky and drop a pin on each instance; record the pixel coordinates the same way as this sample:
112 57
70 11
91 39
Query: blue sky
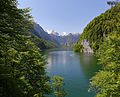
64 15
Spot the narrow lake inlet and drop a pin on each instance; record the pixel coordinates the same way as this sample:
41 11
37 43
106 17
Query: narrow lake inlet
75 68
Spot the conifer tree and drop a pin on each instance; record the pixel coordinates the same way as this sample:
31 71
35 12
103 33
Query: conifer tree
22 67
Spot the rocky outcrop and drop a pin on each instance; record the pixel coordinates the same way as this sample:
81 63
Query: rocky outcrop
86 46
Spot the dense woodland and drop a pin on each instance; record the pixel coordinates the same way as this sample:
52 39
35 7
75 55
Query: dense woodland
103 33
22 67
100 27
106 82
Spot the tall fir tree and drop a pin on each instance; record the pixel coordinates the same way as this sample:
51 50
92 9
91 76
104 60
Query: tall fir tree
22 67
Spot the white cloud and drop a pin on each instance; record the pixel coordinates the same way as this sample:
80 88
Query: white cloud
64 34
75 32
61 34
52 32
49 31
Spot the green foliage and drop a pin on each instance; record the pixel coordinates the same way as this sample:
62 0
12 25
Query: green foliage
22 67
103 33
100 27
57 84
106 82
78 47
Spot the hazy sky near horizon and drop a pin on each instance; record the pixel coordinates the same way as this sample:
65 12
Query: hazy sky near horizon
64 15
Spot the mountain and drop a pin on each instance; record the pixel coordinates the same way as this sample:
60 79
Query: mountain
41 43
66 40
99 28
70 39
39 32
54 37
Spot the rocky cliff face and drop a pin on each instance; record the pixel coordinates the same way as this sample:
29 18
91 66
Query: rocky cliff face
86 46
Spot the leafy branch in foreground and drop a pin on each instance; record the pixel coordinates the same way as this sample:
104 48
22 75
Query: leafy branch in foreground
106 82
57 85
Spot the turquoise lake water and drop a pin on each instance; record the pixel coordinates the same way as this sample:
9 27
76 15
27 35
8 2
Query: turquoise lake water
75 68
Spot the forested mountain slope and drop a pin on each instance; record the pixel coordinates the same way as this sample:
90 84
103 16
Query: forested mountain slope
100 27
41 43
41 38
103 34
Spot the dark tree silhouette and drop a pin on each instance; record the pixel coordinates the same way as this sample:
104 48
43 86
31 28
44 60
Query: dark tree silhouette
112 3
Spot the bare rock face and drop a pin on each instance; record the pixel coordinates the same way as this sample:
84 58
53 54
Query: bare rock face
86 46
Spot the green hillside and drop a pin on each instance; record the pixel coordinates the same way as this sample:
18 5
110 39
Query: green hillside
103 33
41 43
100 27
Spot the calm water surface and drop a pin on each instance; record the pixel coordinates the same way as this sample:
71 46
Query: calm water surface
76 69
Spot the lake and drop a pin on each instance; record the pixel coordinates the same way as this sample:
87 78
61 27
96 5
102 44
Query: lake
75 68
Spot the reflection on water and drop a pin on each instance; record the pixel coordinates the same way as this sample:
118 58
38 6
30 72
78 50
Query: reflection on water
76 69
89 64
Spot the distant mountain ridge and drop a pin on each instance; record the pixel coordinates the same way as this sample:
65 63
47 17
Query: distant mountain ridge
54 37
39 31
